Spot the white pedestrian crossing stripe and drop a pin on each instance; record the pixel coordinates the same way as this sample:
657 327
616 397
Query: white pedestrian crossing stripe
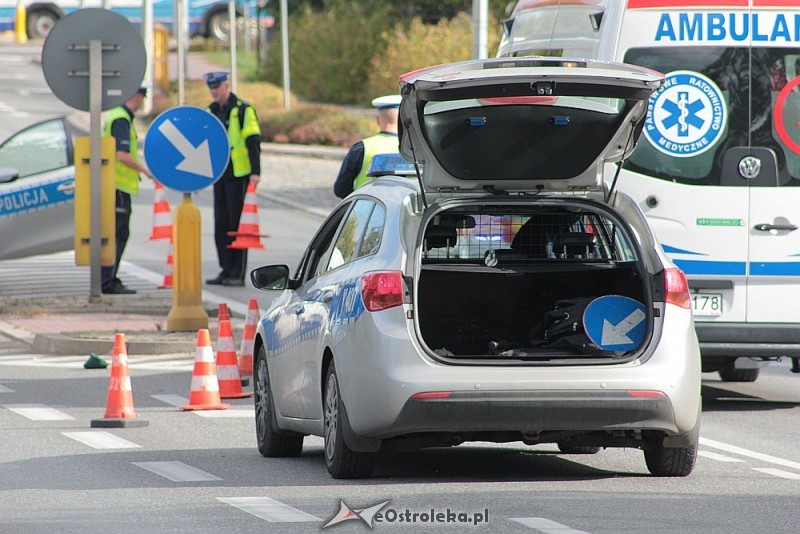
546 525
718 457
4 389
177 471
38 412
101 440
778 472
269 509
230 413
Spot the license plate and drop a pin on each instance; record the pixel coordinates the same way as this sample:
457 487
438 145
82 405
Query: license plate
707 304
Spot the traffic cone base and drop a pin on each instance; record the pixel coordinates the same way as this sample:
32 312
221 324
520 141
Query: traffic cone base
204 394
119 405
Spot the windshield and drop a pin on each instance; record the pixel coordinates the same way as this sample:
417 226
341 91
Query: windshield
760 107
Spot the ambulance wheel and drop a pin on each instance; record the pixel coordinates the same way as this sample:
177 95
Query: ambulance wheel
272 441
342 462
731 374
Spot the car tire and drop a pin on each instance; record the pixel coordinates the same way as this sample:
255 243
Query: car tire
731 374
575 449
272 441
40 21
342 462
671 462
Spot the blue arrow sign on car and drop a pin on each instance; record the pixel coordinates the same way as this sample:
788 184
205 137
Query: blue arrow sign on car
186 149
615 322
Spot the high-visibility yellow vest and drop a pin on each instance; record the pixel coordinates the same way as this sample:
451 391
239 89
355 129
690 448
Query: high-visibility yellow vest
238 132
380 143
127 179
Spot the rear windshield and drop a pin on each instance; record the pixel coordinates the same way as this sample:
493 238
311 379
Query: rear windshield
520 235
521 138
761 96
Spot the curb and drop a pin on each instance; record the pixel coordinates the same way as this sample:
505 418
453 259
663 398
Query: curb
61 345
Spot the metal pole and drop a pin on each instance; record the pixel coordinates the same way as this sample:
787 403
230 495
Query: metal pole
287 85
181 35
96 164
149 46
480 15
232 42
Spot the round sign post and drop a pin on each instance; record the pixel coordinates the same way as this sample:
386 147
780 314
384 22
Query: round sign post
93 60
187 149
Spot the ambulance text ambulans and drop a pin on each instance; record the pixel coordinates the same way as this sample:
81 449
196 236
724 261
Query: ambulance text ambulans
717 170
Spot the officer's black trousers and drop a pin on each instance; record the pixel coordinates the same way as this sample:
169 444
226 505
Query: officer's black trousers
229 193
122 216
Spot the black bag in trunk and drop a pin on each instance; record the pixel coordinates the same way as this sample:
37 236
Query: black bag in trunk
562 328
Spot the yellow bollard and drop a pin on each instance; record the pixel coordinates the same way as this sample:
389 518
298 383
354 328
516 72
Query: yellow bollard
187 313
21 24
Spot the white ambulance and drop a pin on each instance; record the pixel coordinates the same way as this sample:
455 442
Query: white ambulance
717 170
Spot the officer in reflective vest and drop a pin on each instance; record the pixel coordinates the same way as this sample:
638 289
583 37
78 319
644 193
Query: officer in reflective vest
244 136
119 125
353 172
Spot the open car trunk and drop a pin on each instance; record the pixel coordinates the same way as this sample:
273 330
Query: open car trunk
555 283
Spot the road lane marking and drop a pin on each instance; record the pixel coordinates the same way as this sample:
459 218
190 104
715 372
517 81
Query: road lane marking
269 509
4 389
172 400
778 472
38 412
101 440
547 526
752 454
718 457
222 414
177 471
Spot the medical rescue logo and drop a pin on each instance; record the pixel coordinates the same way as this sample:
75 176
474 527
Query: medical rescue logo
686 116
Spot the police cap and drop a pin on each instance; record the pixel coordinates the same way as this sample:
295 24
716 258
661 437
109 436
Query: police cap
214 79
387 102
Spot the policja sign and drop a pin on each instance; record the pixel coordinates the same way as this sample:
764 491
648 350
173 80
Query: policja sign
187 150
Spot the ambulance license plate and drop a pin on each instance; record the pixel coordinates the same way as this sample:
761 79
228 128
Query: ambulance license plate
707 304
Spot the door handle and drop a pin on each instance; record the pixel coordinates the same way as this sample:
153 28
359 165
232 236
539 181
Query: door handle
327 296
763 227
299 309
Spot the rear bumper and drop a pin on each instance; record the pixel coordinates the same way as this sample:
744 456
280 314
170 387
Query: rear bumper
732 340
533 412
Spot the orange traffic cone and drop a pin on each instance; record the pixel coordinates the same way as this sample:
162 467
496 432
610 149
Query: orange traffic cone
248 338
223 313
119 405
205 387
230 383
169 269
162 215
248 234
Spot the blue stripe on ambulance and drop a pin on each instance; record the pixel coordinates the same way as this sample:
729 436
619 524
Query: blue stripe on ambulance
28 199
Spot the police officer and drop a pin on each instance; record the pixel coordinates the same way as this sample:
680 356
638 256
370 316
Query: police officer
244 136
353 172
119 125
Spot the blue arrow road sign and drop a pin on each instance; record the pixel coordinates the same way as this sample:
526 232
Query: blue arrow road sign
186 149
615 323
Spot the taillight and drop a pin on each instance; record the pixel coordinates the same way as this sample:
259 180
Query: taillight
677 288
382 289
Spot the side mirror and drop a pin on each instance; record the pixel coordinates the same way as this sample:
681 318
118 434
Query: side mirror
270 277
8 175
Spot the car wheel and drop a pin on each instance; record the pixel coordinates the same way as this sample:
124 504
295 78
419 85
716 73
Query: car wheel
272 441
40 22
342 462
573 449
671 462
731 374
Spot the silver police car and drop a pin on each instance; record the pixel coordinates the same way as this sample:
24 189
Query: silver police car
501 292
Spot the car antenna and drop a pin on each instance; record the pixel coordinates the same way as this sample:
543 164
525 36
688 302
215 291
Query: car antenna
619 165
419 175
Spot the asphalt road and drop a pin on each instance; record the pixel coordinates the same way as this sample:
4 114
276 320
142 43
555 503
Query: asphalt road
201 472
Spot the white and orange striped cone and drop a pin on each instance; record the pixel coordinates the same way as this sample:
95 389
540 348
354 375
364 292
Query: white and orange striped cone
248 235
162 215
205 386
169 269
248 338
230 383
119 404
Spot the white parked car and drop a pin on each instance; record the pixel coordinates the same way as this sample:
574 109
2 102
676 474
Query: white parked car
403 327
